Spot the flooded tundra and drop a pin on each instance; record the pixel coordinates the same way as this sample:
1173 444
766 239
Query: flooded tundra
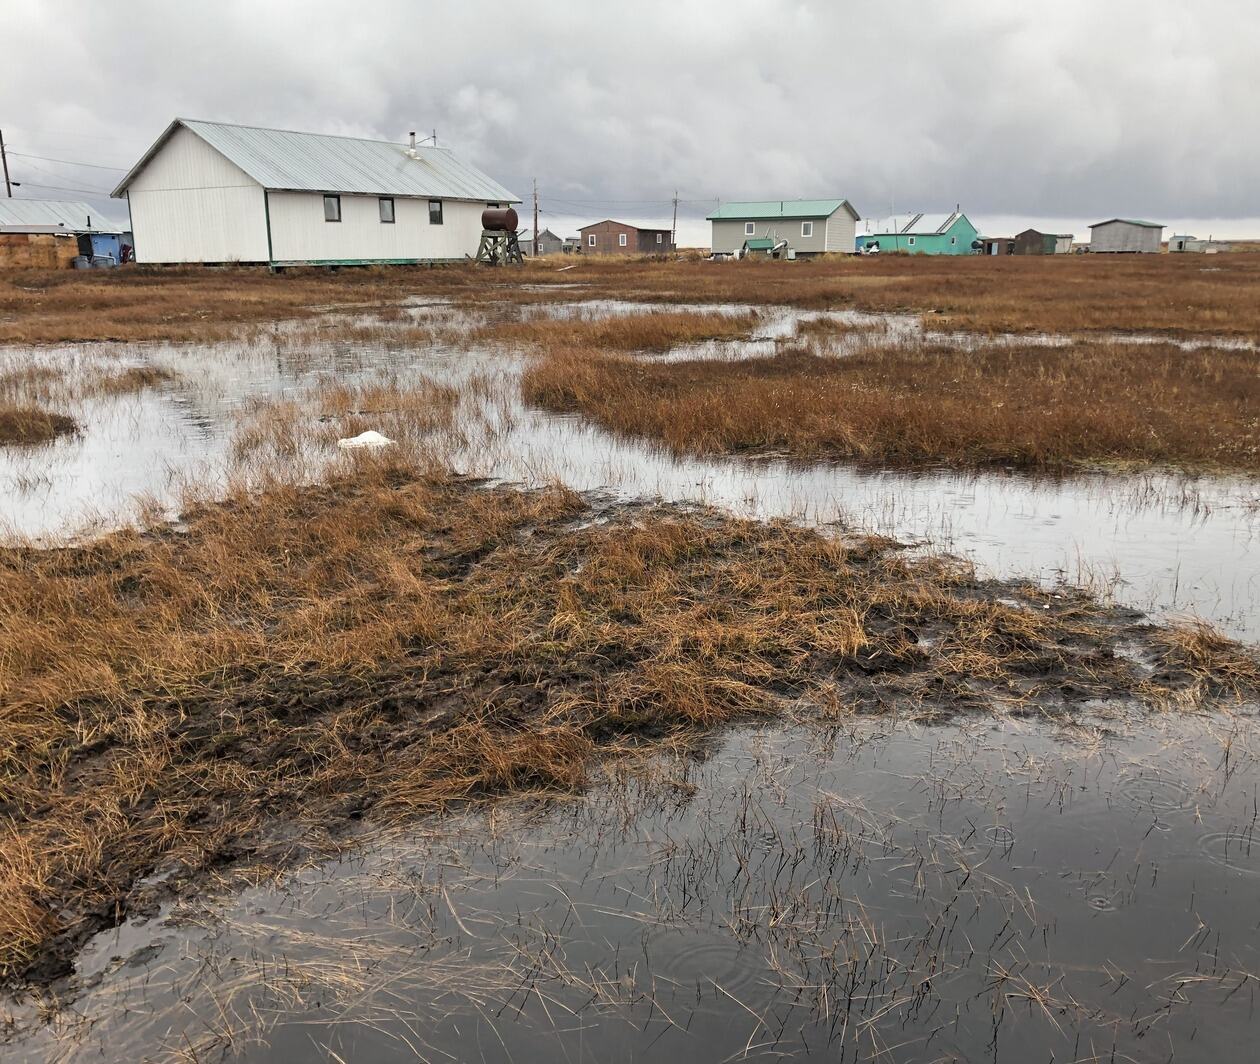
977 891
996 817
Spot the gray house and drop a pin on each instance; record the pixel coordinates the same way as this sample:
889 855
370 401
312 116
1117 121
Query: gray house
810 227
1117 235
548 242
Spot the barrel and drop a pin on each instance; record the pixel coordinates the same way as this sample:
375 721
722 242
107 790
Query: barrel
499 219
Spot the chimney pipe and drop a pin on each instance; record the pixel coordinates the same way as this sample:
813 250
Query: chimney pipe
413 140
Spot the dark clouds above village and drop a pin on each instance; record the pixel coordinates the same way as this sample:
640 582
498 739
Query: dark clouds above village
1059 109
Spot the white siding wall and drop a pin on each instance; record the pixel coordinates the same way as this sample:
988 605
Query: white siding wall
300 234
189 204
1120 237
842 232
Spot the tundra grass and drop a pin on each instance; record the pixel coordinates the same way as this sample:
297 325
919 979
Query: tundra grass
242 688
1177 295
1025 406
27 424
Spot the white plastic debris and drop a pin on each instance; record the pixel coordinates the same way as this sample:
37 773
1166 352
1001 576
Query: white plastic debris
371 438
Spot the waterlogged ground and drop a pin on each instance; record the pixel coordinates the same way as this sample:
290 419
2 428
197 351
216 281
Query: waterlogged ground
988 889
984 890
1162 542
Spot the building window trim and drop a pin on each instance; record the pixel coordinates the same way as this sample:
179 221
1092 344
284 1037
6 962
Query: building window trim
332 207
435 212
750 229
621 240
911 242
660 238
807 229
385 206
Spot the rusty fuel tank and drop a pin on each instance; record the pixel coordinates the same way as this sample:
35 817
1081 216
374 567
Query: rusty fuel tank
499 219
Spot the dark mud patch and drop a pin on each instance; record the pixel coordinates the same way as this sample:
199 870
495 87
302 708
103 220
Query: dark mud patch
239 696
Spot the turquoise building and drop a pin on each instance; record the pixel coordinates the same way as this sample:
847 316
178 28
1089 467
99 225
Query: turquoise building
922 234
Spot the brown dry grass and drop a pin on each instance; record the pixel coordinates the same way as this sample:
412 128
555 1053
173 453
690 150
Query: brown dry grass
1174 294
395 641
26 425
1025 406
656 330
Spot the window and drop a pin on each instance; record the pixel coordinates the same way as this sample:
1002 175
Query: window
332 208
435 212
807 228
621 239
750 229
912 241
387 209
590 240
953 240
658 239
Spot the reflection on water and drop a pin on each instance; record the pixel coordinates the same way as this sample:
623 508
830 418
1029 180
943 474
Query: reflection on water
1159 542
986 890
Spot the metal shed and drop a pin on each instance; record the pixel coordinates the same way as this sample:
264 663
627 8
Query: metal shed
1125 236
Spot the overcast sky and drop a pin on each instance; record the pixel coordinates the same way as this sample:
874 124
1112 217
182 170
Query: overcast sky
1019 110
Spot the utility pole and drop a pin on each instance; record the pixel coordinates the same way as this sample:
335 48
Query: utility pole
673 229
4 159
535 252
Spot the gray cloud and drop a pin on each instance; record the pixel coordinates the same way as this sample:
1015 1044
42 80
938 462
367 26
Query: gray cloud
1040 110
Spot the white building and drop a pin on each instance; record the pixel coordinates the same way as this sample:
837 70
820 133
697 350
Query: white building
1118 235
209 192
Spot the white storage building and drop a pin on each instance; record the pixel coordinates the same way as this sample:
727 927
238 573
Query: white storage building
1125 235
210 192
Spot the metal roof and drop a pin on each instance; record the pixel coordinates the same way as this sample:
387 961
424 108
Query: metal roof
916 224
819 208
69 215
760 243
1130 221
314 162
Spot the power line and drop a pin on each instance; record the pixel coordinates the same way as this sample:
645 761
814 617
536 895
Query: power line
68 162
63 188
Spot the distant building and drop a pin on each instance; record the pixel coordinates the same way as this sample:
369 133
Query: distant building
997 245
1035 242
548 242
1184 243
572 245
809 227
50 234
209 192
619 238
1125 235
923 234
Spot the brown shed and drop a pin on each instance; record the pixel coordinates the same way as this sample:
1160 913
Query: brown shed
619 238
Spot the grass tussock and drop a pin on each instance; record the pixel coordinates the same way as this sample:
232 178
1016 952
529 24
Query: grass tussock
27 425
392 642
1030 407
132 379
657 330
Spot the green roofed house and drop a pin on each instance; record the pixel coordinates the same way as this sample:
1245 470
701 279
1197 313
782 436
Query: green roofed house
922 234
806 227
